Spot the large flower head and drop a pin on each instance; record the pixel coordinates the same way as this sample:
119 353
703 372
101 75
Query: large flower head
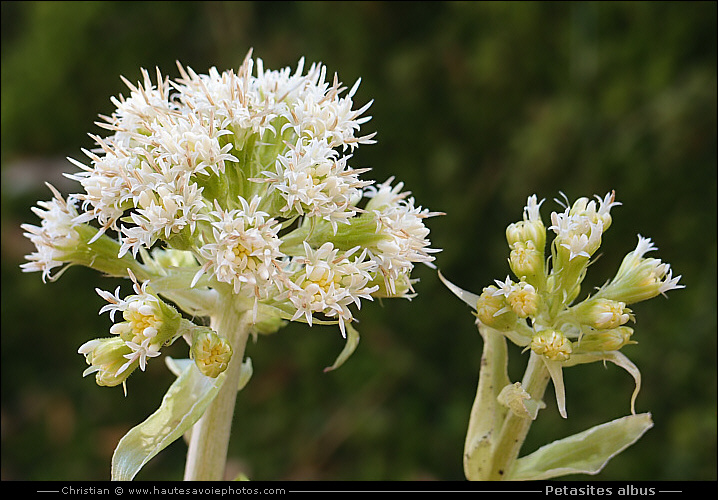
240 184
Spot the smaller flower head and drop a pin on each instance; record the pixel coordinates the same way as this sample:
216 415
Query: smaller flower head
401 235
108 359
313 181
552 344
602 314
605 340
327 282
578 235
148 323
639 278
493 310
145 103
523 300
579 228
526 261
246 249
588 209
56 239
210 351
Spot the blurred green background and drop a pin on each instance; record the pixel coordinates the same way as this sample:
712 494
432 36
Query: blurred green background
477 106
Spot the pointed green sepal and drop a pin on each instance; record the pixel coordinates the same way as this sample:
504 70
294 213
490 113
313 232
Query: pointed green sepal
351 344
617 358
468 298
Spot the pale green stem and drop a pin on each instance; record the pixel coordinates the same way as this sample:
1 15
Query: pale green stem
207 453
515 428
486 413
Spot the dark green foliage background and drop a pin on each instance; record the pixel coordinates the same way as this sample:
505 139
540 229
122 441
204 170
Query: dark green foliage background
477 106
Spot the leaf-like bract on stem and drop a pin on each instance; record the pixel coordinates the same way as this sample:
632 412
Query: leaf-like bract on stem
182 405
584 453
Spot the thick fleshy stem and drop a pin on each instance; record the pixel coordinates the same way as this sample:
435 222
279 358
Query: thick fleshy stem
486 413
207 453
515 428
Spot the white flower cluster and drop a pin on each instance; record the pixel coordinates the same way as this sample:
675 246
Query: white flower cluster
54 236
149 324
143 320
579 228
327 282
248 173
405 237
245 249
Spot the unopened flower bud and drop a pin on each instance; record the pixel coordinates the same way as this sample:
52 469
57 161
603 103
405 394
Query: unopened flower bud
107 358
526 261
523 300
608 340
527 231
602 314
530 229
62 240
494 311
553 344
210 351
267 324
640 278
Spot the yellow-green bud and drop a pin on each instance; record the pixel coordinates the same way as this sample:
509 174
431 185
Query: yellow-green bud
525 260
602 314
639 278
210 351
523 300
106 357
609 340
526 231
267 324
553 344
494 311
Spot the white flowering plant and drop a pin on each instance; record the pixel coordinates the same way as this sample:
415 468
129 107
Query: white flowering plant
229 202
537 310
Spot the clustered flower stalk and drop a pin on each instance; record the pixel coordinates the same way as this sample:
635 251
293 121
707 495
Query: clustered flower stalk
538 311
227 198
